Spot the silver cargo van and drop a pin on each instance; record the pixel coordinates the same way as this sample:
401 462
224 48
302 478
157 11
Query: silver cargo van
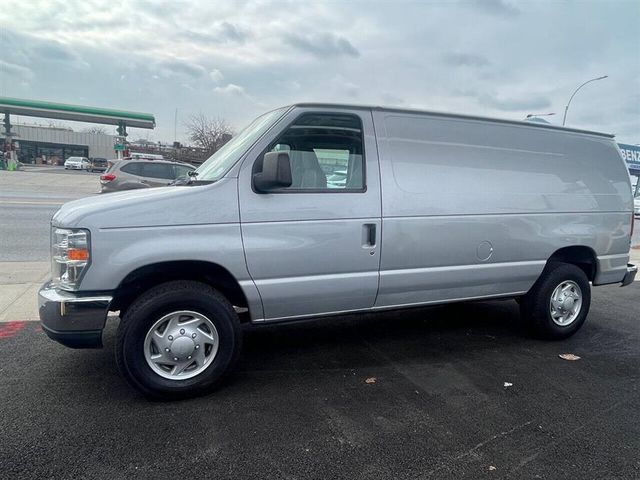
422 208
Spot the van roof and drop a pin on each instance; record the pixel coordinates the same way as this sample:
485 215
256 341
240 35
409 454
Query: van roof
522 123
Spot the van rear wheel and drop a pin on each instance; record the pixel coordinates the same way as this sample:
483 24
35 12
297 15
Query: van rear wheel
558 303
178 340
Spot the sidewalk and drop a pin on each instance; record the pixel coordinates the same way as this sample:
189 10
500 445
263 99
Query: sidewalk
20 281
19 284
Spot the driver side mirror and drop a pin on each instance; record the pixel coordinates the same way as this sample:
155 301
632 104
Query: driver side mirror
276 172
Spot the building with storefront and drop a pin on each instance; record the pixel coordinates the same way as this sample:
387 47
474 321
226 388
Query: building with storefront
51 145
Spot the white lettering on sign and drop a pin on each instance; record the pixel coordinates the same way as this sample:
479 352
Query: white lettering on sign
630 156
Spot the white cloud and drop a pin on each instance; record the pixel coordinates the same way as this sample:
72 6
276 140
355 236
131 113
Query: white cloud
343 86
14 70
489 57
321 44
216 75
181 68
231 89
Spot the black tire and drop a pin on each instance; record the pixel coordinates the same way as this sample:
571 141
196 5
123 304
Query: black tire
153 305
535 305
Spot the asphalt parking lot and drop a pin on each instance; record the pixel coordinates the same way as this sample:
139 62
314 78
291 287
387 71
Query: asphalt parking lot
438 403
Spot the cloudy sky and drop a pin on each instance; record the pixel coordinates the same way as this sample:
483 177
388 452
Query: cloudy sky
234 60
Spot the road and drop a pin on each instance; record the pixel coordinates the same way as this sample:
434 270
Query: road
28 200
300 406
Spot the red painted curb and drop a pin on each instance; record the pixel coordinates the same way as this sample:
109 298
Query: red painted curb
9 329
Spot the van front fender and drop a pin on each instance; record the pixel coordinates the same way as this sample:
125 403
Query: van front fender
116 252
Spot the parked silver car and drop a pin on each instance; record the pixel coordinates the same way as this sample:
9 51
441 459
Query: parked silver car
435 208
130 174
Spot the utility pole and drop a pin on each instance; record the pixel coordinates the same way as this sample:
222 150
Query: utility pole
175 127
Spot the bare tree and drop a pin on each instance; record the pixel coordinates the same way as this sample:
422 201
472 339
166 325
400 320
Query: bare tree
208 133
96 129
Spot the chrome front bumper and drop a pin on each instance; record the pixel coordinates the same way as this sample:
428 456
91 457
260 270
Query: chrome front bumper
630 275
73 319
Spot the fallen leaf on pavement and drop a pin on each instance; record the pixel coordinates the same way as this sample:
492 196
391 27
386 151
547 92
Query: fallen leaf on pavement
370 380
569 356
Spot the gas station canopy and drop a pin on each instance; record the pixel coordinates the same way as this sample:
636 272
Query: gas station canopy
62 111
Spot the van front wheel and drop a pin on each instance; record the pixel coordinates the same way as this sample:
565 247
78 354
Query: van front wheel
558 303
178 340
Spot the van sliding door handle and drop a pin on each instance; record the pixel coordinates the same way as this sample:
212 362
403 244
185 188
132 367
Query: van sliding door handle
370 234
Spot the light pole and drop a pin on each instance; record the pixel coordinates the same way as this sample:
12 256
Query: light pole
564 119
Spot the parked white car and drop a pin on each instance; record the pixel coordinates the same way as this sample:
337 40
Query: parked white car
77 163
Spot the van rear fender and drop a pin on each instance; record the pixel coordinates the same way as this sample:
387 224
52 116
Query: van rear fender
579 255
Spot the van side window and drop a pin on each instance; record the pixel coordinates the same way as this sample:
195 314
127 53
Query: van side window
326 152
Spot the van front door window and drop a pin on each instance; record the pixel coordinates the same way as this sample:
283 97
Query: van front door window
325 151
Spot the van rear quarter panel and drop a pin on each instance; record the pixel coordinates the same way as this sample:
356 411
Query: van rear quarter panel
455 191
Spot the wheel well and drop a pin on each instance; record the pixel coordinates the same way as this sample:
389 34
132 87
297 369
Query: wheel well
144 278
581 256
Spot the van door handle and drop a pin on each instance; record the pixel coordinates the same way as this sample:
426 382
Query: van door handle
369 234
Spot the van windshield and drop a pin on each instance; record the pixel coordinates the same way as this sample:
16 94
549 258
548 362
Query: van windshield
221 161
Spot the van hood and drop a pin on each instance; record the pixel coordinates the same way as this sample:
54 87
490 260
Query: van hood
163 206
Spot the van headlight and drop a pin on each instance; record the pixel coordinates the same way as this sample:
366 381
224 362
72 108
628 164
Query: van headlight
70 256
